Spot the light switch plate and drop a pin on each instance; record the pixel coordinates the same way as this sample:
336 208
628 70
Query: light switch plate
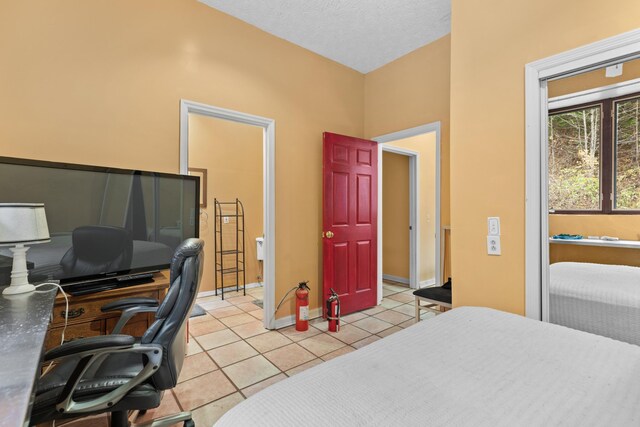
493 226
493 245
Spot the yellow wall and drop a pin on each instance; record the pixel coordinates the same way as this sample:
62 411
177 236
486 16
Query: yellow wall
411 91
100 83
622 226
491 42
425 146
232 154
395 215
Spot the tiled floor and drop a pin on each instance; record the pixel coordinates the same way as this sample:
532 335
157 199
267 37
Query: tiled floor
231 356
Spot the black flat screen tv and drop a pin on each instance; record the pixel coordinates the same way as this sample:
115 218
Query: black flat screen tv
105 223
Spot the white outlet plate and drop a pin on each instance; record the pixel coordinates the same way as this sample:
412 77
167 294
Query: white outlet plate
493 245
493 226
225 219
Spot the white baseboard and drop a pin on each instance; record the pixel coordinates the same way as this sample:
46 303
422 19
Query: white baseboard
393 278
427 283
283 322
229 289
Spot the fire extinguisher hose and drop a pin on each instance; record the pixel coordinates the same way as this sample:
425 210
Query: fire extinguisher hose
285 297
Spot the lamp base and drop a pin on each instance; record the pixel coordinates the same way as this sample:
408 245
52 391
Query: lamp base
18 289
19 274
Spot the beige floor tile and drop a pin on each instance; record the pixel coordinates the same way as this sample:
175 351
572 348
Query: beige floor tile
321 344
304 367
232 353
168 406
289 356
366 341
389 331
372 324
320 324
196 365
408 323
395 287
231 310
193 347
386 293
205 327
402 297
241 299
253 389
250 371
207 415
374 310
198 319
350 318
350 334
258 314
250 329
339 352
268 341
427 315
291 333
203 389
408 309
392 317
217 339
248 306
389 303
213 305
238 319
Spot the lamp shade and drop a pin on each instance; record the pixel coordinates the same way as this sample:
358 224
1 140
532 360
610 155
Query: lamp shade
23 223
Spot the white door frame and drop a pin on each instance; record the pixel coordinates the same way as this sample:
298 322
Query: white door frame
268 157
414 214
414 207
613 50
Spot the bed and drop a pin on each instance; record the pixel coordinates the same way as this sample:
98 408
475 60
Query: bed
468 367
597 298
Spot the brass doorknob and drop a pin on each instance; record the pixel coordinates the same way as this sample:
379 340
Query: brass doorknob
329 234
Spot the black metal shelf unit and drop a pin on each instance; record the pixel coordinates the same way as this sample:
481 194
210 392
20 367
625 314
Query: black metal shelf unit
229 245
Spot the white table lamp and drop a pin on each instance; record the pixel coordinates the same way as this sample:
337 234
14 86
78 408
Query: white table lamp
21 224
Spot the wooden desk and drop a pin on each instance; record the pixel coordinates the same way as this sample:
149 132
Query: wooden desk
86 319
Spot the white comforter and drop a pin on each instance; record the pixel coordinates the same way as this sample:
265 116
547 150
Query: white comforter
467 367
597 298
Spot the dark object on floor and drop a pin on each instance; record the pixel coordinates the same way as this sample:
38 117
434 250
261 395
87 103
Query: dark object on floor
197 311
117 373
435 297
258 302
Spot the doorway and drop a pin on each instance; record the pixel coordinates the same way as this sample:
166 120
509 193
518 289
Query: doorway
538 74
421 148
255 272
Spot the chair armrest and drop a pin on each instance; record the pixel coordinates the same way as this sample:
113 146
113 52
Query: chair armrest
127 303
88 344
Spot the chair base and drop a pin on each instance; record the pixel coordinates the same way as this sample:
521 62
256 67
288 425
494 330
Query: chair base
166 421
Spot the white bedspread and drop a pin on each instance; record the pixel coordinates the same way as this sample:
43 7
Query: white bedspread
597 298
467 367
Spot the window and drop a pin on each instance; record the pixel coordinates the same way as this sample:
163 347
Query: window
594 157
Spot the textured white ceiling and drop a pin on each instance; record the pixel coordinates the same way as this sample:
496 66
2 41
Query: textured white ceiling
361 34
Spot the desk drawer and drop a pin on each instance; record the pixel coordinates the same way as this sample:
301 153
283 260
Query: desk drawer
84 309
81 330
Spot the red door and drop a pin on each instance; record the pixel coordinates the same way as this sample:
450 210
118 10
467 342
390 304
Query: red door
350 221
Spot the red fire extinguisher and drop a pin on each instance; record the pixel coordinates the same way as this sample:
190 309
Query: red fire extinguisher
302 307
333 312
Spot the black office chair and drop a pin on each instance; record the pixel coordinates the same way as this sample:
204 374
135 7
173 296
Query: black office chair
115 373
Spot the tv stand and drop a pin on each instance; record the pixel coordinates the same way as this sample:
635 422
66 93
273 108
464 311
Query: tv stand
86 318
91 287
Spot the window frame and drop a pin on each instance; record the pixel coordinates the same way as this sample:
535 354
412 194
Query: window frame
607 156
